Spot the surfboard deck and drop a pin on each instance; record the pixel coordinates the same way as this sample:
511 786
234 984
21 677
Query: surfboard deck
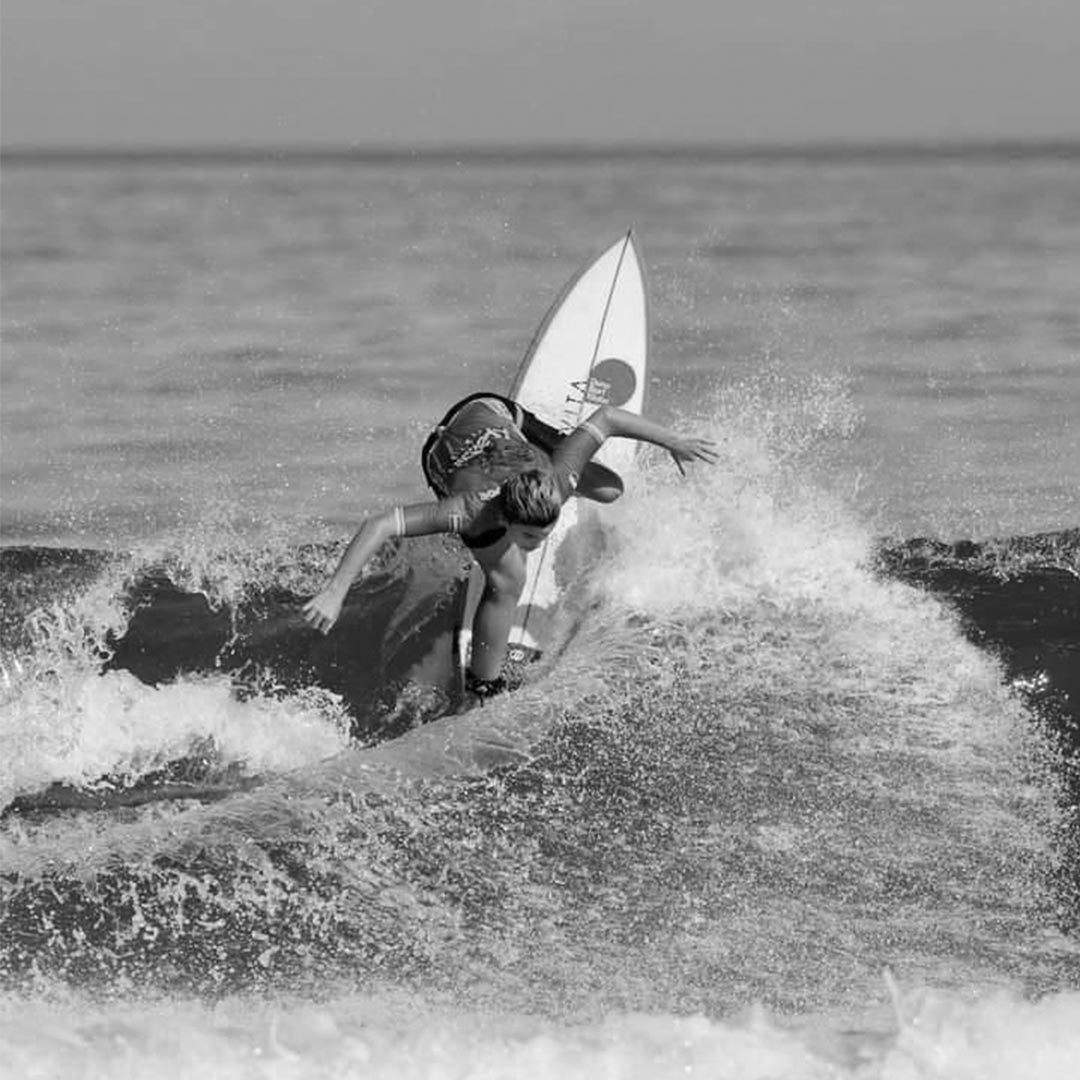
590 349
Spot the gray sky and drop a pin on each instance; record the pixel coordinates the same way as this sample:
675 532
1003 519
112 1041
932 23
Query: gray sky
345 72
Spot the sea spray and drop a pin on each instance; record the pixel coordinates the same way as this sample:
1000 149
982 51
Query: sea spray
749 770
68 720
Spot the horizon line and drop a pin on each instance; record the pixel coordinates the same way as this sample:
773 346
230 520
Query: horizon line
1067 147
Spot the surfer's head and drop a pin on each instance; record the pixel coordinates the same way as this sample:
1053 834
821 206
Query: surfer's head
531 498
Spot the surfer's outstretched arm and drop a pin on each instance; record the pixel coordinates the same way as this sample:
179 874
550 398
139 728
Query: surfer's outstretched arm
322 611
421 519
608 422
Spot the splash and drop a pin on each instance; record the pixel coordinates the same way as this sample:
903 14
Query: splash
66 721
748 771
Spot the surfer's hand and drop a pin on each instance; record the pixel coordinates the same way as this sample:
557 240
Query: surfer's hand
692 449
322 611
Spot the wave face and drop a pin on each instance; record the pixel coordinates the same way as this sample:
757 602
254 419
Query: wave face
763 763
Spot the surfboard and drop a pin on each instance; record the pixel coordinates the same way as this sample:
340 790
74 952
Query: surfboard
590 349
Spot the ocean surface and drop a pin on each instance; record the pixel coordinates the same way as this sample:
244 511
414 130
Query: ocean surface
794 795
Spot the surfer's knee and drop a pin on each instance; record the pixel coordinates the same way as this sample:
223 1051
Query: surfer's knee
603 493
599 483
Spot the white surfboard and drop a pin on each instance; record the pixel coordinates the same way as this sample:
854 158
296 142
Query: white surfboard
591 349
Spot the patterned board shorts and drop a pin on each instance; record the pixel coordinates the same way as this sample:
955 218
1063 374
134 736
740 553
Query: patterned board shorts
464 441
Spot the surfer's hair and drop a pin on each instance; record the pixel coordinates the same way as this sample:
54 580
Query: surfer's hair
531 498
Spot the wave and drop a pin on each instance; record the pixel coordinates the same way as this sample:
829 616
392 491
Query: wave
90 638
1018 597
763 762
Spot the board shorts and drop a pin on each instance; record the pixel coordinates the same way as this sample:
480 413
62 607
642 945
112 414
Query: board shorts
467 451
477 445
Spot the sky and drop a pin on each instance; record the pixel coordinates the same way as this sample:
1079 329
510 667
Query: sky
355 73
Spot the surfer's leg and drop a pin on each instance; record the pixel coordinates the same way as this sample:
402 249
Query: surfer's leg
599 483
504 579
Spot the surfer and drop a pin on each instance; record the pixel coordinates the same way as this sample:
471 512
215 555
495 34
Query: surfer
500 475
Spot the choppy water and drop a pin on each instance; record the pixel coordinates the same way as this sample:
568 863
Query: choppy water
175 333
756 773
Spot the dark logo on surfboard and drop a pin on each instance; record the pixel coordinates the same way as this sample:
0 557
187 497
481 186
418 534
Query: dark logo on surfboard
611 382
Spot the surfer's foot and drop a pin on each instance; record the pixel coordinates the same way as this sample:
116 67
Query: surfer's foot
482 689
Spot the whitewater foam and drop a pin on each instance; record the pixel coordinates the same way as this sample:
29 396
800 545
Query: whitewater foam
934 1034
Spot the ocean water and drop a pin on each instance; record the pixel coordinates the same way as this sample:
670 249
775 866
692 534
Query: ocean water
764 811
176 333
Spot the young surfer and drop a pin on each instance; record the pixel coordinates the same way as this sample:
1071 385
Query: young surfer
501 476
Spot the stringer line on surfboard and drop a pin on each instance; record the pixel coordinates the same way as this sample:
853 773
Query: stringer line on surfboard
590 348
542 554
